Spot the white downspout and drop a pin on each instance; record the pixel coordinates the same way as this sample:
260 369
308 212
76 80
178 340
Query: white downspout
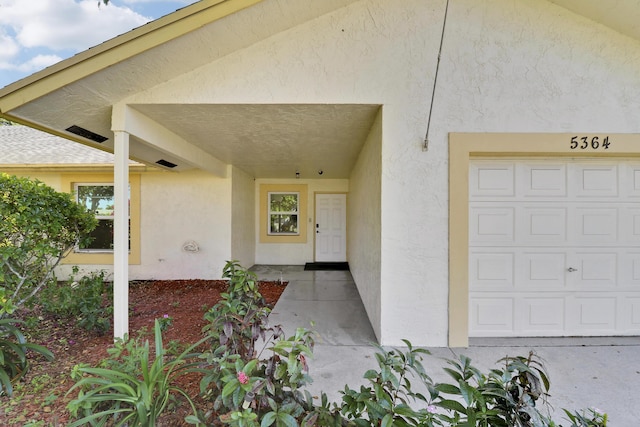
121 235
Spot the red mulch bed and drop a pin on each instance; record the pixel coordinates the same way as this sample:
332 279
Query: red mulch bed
40 396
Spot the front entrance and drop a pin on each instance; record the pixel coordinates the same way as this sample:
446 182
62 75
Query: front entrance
331 228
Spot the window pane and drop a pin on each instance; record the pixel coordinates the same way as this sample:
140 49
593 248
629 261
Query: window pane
283 202
283 223
97 199
102 236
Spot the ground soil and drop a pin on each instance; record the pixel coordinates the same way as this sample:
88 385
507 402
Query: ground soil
39 398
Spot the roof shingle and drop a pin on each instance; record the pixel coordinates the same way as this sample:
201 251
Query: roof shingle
22 145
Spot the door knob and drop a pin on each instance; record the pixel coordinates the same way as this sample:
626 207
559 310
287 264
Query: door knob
571 269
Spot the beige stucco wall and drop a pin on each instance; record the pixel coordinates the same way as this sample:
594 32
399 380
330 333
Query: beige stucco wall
243 222
186 206
363 208
507 66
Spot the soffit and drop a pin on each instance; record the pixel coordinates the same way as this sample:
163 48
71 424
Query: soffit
273 141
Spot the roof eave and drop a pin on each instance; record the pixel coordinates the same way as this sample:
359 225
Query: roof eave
116 50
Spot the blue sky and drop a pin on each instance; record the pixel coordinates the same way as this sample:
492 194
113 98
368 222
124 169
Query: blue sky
37 33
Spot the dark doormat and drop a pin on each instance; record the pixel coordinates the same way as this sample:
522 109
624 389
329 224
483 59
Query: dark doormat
336 266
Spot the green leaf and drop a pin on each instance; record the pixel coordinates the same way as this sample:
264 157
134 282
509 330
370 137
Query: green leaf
447 388
230 387
268 419
285 419
452 405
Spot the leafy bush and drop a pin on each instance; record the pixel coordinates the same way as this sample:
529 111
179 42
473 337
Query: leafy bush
13 354
134 392
39 227
83 298
246 389
508 396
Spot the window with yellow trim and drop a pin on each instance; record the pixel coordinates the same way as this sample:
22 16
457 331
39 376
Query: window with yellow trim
95 191
283 213
98 198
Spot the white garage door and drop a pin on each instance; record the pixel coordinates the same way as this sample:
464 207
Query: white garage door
554 248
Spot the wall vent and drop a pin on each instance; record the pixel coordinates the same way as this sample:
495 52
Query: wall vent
86 134
166 164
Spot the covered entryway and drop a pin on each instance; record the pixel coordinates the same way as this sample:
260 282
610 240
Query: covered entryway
554 247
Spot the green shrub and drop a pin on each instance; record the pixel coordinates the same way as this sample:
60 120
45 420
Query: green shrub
14 363
247 387
511 395
88 299
39 227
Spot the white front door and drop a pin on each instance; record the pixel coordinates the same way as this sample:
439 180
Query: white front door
331 227
554 247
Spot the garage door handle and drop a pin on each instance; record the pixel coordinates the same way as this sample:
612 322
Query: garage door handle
571 269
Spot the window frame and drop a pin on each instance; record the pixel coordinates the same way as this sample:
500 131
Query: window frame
271 213
76 186
105 257
264 190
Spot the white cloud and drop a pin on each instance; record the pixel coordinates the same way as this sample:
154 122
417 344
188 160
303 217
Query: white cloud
65 24
9 48
39 62
36 63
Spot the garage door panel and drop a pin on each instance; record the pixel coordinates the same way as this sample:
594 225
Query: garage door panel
491 271
591 180
543 225
541 271
630 179
537 180
629 272
594 226
491 225
491 179
630 225
541 316
596 270
492 316
629 313
591 315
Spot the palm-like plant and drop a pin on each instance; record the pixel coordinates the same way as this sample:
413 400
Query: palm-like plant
128 399
14 347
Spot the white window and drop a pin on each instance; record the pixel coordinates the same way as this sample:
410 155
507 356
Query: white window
283 215
98 198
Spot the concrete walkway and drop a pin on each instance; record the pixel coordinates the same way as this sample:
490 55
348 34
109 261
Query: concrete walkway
603 373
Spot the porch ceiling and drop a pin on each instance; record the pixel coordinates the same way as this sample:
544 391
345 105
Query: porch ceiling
272 140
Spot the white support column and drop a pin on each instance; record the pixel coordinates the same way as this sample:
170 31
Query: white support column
121 235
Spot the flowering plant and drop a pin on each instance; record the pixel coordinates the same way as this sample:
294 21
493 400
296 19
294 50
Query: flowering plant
165 321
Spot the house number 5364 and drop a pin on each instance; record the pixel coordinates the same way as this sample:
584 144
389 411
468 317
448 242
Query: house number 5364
586 142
